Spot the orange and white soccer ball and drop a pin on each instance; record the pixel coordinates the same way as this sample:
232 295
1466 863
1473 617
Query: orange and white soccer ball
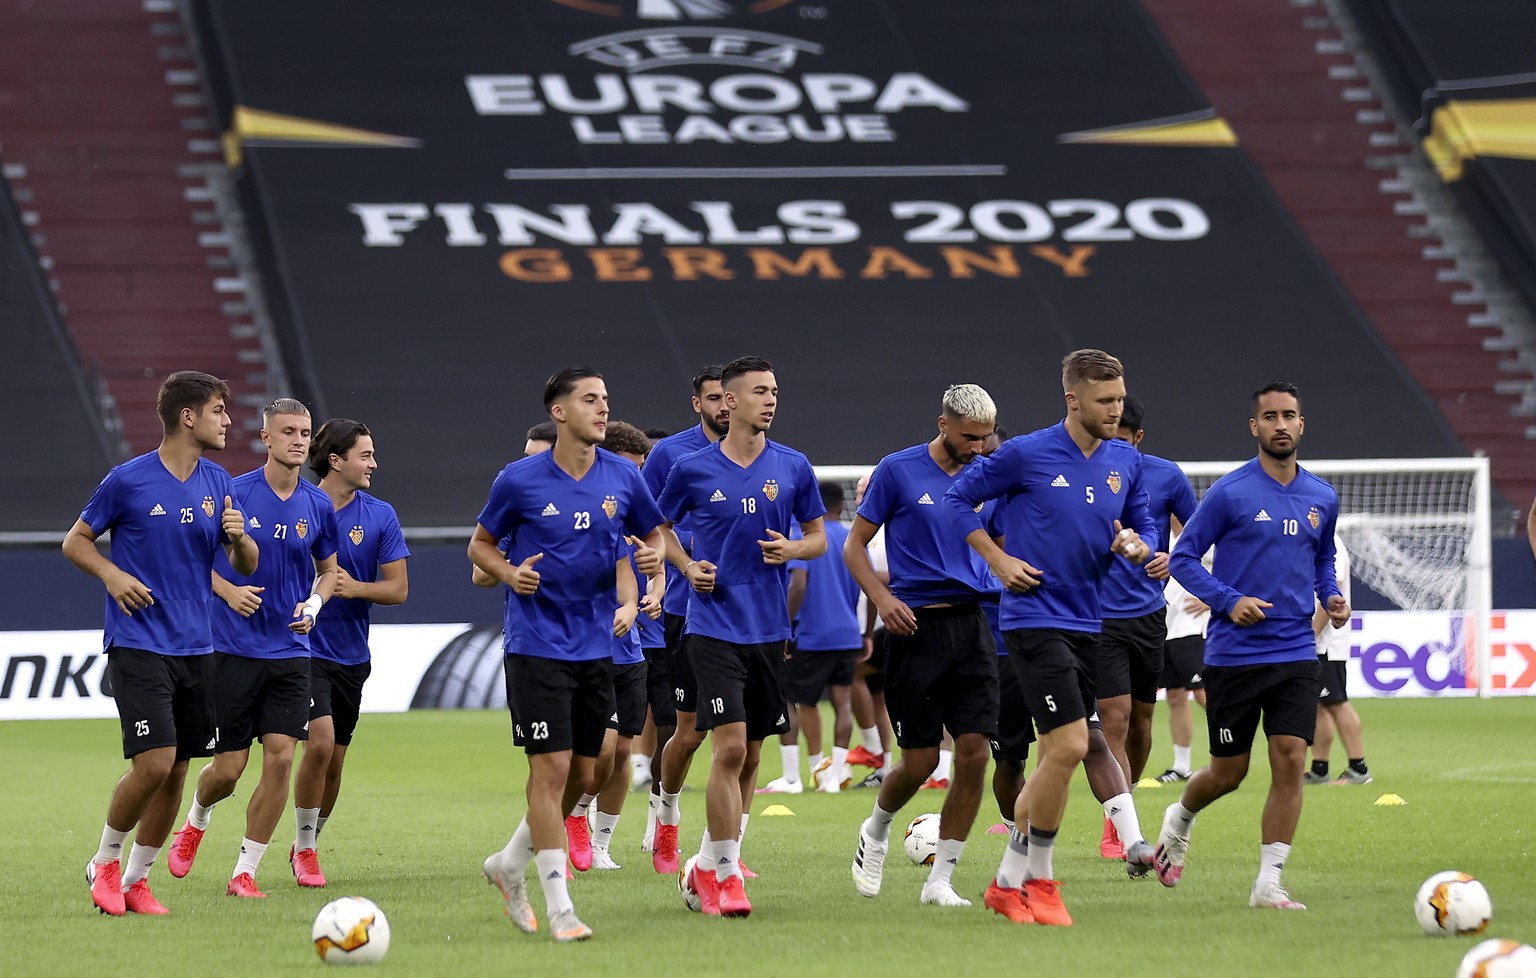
1452 904
1499 959
685 884
922 839
352 930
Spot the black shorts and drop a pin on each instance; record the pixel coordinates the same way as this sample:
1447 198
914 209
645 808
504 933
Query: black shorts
629 688
739 684
1285 693
255 697
559 705
1183 662
808 674
874 666
1056 671
945 675
336 691
658 673
163 701
1131 656
1331 675
685 688
1015 727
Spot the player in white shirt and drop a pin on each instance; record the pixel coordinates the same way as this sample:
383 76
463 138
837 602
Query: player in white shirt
1334 711
1184 657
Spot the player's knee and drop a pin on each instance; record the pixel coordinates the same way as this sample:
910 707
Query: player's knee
972 751
156 765
731 754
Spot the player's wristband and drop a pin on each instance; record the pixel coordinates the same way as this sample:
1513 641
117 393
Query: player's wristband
312 606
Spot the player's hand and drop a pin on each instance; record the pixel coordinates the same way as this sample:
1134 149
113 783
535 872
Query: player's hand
647 559
1338 611
525 580
233 521
1129 545
650 606
303 621
898 618
701 574
1194 606
1017 575
777 549
1157 567
1248 611
868 651
347 586
788 651
244 599
128 591
624 619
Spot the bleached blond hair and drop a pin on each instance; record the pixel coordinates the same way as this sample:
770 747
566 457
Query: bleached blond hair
970 402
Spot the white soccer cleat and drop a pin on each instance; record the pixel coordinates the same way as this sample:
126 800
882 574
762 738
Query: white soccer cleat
781 786
603 859
1272 896
941 894
1172 848
514 893
868 864
828 781
565 927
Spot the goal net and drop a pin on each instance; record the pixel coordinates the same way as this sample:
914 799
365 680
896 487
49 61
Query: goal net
1417 531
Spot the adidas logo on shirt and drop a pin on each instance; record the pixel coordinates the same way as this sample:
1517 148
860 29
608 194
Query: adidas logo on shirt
1060 482
1263 517
718 497
550 510
256 525
157 511
925 500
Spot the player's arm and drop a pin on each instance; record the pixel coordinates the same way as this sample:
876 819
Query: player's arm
650 601
130 593
627 589
1319 619
1136 530
779 549
241 548
391 587
324 586
898 618
1329 591
1184 563
490 561
797 581
243 599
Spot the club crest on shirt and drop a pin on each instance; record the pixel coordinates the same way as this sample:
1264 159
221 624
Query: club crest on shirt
1314 518
1114 482
610 506
301 528
356 536
771 490
208 505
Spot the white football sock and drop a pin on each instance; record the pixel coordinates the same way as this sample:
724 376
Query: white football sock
519 850
250 857
945 860
603 826
1183 818
726 859
111 848
878 825
789 757
1181 759
1014 869
1121 810
946 761
320 824
871 738
840 763
140 858
669 813
1272 857
199 814
741 832
705 852
1041 845
307 822
582 804
551 864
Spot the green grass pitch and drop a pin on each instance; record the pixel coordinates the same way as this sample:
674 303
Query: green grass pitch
428 794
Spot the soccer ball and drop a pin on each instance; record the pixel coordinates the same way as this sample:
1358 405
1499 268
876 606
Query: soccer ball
922 839
685 884
1499 959
1452 903
352 930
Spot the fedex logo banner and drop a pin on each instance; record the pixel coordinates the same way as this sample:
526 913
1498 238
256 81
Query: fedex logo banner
1432 653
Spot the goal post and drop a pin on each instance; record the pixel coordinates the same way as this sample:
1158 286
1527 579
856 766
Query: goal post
1418 532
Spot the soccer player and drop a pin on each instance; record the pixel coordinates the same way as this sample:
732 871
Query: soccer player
1072 500
1183 660
590 843
566 512
1272 523
1334 711
1135 619
823 603
869 711
541 438
370 557
671 684
941 664
741 496
168 511
261 634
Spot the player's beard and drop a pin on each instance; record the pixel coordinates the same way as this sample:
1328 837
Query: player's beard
1279 455
719 428
957 457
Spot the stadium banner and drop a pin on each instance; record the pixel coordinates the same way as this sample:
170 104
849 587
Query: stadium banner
1467 74
61 675
883 198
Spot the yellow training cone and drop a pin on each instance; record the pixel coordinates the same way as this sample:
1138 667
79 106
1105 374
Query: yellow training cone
777 810
1390 799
